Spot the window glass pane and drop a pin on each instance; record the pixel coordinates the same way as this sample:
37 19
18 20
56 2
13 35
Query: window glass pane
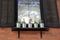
29 11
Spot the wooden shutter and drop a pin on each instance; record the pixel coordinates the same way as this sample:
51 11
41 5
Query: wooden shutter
6 13
50 13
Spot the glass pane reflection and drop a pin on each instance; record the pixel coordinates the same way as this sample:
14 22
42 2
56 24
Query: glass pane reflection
29 11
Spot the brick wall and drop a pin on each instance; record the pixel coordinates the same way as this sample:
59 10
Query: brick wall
7 34
52 34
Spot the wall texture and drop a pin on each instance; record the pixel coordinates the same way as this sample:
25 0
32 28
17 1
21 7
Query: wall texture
52 34
7 34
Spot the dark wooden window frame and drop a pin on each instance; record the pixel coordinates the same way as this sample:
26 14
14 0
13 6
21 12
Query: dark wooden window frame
16 10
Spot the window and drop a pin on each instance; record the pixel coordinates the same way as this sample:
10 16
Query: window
8 11
29 13
49 14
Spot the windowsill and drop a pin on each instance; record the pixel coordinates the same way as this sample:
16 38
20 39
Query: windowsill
30 29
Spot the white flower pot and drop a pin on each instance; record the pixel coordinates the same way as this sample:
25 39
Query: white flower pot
41 25
35 25
23 25
29 25
18 25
